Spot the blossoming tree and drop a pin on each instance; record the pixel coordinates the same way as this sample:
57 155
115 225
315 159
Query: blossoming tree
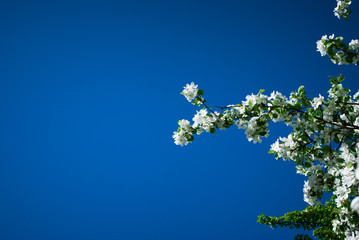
324 142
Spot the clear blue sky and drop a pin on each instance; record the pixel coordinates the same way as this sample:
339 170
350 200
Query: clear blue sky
89 99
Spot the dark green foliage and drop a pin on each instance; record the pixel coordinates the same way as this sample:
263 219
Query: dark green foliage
316 218
302 237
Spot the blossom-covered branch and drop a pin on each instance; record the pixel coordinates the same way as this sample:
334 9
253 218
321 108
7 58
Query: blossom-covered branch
337 51
323 143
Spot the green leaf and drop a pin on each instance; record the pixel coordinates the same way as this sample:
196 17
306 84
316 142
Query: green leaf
333 81
341 45
340 160
301 89
325 149
190 138
250 104
262 133
307 164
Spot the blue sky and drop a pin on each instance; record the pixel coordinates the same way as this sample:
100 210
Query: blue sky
89 99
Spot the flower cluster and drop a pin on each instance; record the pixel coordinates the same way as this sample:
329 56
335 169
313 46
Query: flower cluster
190 91
320 45
337 51
193 94
323 144
184 134
341 9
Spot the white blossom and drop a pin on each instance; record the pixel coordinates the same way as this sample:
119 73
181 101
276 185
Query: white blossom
190 91
320 44
200 117
183 135
342 194
252 100
204 120
317 101
307 196
180 138
354 44
355 204
184 123
348 176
